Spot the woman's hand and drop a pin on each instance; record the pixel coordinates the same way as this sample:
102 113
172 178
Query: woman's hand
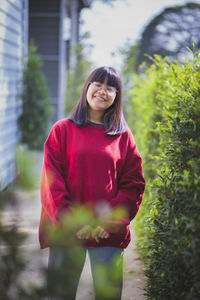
85 232
99 233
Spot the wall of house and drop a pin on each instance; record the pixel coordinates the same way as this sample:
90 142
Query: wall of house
46 19
52 24
13 47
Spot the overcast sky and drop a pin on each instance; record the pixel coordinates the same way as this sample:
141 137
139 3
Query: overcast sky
111 27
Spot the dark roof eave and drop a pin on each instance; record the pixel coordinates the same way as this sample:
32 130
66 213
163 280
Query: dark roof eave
85 3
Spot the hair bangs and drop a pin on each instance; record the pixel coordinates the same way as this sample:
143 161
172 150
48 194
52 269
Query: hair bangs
107 74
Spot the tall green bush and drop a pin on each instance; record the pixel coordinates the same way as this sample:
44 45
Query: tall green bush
36 109
144 111
166 117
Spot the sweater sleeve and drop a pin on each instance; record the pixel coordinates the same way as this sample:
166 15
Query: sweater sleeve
55 196
131 183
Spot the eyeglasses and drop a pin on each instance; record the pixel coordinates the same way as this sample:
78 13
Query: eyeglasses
110 90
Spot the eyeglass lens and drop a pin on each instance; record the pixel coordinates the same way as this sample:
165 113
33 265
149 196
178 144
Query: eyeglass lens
108 89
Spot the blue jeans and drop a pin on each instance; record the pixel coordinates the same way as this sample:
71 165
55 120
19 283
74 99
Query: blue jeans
65 267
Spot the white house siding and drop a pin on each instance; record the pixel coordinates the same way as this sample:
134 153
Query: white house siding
13 45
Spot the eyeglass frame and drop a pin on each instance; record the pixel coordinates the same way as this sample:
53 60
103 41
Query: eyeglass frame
91 82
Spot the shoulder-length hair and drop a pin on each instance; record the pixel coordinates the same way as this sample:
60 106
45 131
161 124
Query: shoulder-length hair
114 121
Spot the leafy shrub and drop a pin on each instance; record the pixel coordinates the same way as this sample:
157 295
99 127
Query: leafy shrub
36 109
166 116
144 111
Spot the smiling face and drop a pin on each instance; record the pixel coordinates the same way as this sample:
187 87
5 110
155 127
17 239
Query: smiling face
100 96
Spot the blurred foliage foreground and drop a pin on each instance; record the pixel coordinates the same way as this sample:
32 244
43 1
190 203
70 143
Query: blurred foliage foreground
16 281
165 113
19 250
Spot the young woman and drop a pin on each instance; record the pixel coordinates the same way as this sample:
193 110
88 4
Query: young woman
91 161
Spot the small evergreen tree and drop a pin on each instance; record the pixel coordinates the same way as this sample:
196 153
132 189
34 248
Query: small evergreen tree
36 103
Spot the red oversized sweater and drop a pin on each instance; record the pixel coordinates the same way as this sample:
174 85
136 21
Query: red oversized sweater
83 165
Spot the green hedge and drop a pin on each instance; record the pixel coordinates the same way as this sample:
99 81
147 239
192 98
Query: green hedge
165 113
